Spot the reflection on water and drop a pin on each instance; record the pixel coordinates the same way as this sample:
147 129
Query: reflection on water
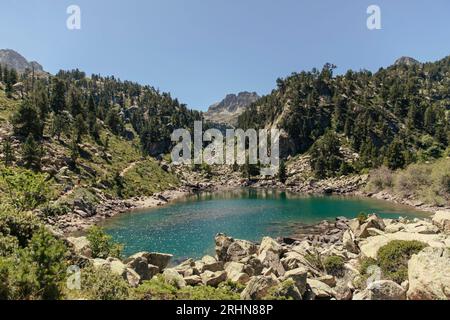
186 228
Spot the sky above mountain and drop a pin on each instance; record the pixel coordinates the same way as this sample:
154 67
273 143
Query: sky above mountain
202 50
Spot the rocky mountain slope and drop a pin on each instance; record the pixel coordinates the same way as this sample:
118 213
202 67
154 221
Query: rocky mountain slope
394 117
15 60
229 109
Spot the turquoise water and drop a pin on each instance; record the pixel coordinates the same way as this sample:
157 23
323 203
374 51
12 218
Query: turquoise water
186 228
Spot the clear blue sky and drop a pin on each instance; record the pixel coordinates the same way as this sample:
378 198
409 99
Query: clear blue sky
200 50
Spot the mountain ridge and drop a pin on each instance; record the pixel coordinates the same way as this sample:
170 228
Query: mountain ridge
12 59
231 107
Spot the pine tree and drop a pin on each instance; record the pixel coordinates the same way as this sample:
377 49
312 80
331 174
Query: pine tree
26 121
8 152
31 153
395 157
58 99
74 102
74 153
80 128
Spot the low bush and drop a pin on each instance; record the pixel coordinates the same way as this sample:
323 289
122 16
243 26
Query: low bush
284 291
365 263
334 265
427 182
102 284
362 217
393 258
23 189
158 289
20 225
206 293
102 245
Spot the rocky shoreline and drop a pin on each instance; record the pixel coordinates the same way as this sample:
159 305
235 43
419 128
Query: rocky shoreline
328 265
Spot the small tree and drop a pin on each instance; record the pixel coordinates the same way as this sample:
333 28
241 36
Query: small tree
31 153
26 121
282 172
80 128
102 245
8 153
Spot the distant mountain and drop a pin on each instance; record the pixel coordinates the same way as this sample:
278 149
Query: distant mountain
408 61
15 60
229 109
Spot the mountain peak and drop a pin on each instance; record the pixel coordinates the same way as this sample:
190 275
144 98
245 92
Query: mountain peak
408 61
231 107
13 59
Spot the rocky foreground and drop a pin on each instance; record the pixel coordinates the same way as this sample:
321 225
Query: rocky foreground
317 266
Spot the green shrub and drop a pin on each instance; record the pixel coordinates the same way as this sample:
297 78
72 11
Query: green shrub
334 265
23 189
21 225
46 257
155 289
158 289
284 291
231 286
393 258
35 272
8 245
365 263
362 217
4 279
102 284
102 244
314 260
206 293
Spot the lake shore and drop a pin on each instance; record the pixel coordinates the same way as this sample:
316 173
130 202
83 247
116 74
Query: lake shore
345 186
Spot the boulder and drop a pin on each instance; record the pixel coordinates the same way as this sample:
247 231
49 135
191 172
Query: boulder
349 242
241 249
236 272
270 259
442 220
372 222
269 244
81 246
328 280
385 290
161 260
172 277
213 279
228 249
293 260
223 242
209 263
258 287
118 267
299 277
133 278
429 275
193 280
421 227
252 265
370 246
142 268
320 290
